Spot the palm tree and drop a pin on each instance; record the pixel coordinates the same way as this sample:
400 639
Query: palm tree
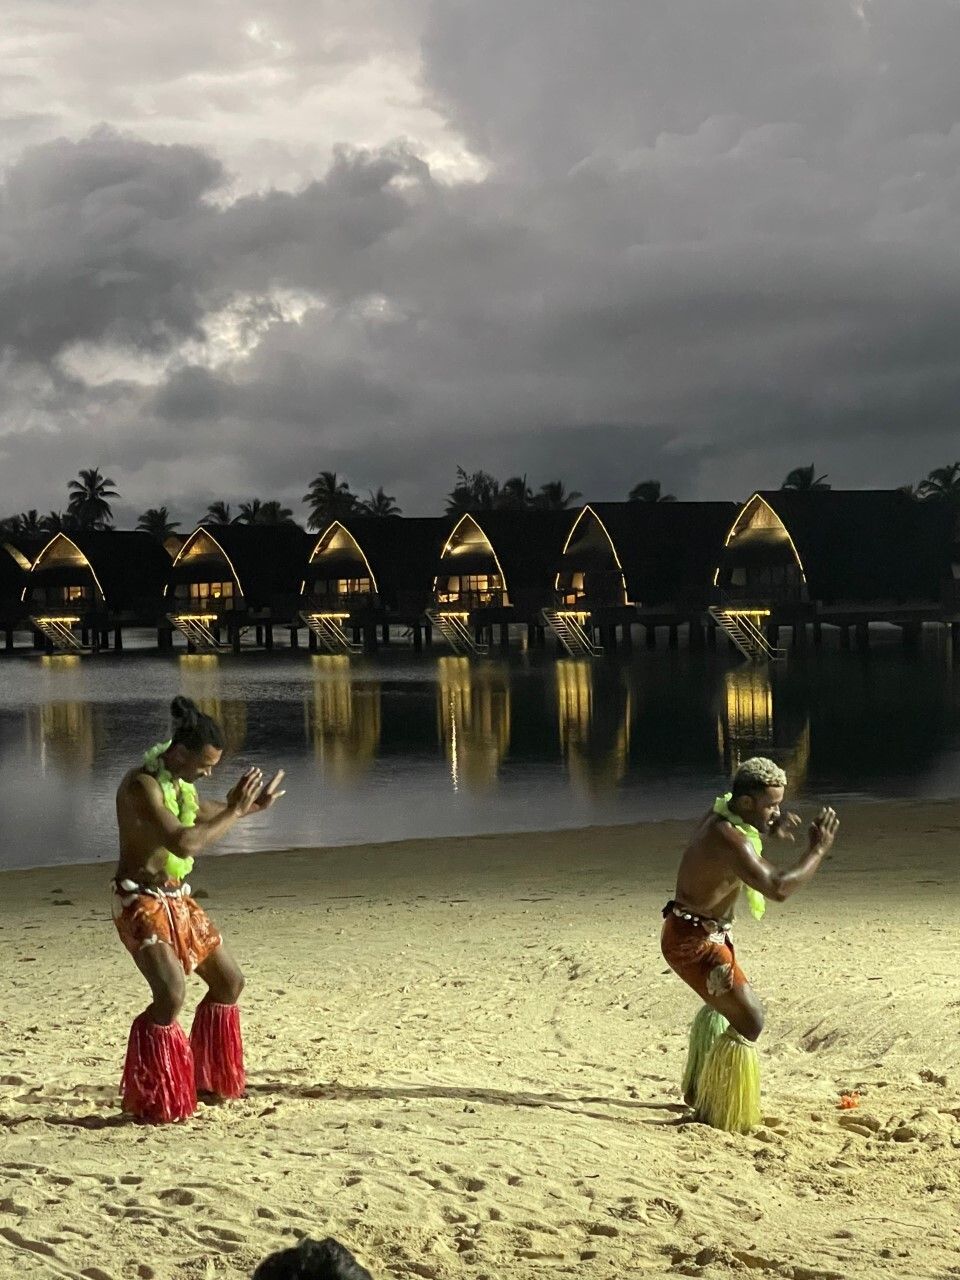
88 499
649 491
249 512
156 521
805 479
554 497
273 512
217 513
515 494
270 512
329 498
28 524
942 482
59 522
380 504
478 492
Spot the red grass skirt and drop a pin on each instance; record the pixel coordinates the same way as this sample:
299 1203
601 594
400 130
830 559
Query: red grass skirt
158 1081
218 1049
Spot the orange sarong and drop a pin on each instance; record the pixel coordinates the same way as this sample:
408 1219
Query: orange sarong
704 959
145 915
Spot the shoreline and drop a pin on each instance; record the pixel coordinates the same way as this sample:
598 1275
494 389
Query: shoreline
862 802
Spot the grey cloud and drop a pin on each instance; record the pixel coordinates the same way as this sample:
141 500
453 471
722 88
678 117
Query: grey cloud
708 249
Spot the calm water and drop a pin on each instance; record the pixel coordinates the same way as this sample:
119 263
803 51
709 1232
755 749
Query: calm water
399 746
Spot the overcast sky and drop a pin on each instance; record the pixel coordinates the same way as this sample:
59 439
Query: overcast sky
593 240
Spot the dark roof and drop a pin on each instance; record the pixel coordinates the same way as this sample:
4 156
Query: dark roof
669 550
128 564
269 559
867 544
528 544
402 550
12 574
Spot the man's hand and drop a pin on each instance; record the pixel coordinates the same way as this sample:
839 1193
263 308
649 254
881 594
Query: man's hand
823 830
242 798
785 825
269 794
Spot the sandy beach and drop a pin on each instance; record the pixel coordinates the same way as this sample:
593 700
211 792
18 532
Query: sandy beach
463 1059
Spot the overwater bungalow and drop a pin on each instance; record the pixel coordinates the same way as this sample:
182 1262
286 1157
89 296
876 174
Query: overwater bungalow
640 561
229 579
496 568
366 572
844 558
82 586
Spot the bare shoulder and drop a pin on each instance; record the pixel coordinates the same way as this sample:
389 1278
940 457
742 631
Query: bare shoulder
136 785
729 842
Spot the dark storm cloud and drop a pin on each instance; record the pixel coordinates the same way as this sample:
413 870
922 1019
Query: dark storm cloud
709 246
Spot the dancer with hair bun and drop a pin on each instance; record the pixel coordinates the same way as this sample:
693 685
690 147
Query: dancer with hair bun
721 1081
163 827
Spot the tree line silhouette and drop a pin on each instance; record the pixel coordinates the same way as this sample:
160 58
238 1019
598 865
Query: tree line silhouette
330 497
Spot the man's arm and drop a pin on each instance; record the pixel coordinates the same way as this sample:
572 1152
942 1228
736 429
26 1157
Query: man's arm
771 881
187 842
210 809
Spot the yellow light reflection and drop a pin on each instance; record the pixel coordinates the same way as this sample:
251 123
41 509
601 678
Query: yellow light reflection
342 717
473 720
200 680
65 734
595 711
749 726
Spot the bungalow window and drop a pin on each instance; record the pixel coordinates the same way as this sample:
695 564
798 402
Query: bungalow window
738 578
353 586
202 593
480 588
211 590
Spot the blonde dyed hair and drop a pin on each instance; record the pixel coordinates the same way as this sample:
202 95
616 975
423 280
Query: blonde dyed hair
759 772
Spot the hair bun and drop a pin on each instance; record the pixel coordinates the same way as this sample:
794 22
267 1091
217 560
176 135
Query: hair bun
184 712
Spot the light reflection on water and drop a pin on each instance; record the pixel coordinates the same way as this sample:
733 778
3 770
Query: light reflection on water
395 746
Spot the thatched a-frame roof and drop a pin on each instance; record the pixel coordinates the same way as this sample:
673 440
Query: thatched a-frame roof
527 545
401 552
668 550
265 561
861 545
14 567
128 567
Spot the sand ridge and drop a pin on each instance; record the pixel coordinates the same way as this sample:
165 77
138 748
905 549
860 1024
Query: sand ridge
463 1060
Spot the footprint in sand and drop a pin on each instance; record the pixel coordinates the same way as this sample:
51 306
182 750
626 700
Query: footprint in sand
177 1195
661 1210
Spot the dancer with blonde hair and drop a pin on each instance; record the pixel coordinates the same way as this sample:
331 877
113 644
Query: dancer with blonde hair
721 1080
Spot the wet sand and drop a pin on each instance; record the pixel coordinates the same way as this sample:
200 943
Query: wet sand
463 1059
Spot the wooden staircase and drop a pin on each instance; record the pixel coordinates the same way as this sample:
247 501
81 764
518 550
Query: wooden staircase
454 629
330 634
568 630
198 634
746 635
59 633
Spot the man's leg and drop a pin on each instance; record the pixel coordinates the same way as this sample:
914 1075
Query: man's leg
738 1004
215 1035
158 963
158 1084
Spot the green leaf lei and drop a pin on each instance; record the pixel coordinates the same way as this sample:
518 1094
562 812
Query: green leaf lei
182 802
721 806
